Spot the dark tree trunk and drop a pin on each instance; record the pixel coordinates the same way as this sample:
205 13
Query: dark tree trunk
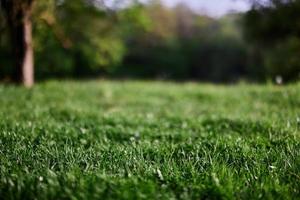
20 25
21 33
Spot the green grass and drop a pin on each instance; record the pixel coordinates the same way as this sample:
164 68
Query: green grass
149 140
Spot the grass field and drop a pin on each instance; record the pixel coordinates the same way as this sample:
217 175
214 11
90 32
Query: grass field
149 140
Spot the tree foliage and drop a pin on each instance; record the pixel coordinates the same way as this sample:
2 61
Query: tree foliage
274 27
87 38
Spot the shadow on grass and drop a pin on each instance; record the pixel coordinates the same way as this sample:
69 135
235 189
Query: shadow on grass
247 127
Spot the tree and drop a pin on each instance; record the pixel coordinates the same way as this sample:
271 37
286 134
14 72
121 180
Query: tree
273 27
18 18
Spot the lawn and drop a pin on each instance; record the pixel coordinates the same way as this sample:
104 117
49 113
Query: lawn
149 140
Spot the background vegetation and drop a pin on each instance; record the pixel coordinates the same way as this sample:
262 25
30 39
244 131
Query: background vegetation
80 39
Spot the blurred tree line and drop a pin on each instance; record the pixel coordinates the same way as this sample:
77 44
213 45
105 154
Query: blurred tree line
91 38
272 28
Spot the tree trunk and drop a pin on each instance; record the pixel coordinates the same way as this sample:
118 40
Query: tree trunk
21 33
28 60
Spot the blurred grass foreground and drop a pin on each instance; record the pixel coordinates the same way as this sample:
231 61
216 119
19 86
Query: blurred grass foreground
149 140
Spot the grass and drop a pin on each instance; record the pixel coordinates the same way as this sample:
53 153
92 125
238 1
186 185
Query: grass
149 140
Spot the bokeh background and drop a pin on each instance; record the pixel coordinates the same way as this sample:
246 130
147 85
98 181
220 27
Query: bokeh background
217 41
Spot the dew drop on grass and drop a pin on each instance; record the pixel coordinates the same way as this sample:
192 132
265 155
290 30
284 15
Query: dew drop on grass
83 130
150 116
184 125
160 176
83 141
272 167
215 179
288 124
137 135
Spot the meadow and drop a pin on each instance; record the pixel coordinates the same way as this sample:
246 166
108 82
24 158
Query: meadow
149 140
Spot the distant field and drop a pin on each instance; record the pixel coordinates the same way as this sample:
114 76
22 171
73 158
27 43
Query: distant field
149 140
